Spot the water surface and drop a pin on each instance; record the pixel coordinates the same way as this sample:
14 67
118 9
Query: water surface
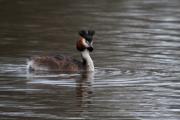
136 56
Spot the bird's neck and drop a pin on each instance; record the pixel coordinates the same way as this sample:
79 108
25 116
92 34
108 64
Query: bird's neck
87 60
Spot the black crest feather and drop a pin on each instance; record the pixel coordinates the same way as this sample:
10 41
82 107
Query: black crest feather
82 33
91 32
88 35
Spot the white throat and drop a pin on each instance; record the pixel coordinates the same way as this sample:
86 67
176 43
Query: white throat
87 58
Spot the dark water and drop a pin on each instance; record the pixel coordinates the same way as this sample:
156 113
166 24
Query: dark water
137 60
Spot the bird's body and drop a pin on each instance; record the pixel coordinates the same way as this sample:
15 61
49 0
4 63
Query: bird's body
65 63
54 63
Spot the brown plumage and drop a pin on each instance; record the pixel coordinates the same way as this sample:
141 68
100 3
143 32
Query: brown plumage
54 63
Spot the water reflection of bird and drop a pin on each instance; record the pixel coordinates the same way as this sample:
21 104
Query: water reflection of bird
84 84
84 90
65 63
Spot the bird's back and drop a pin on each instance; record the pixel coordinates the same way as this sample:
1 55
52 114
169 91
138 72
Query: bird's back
56 63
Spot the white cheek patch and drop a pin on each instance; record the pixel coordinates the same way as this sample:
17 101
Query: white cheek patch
85 43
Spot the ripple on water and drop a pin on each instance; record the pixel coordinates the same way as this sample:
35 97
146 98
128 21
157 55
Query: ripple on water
146 91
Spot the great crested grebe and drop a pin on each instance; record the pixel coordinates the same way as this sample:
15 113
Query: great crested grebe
64 63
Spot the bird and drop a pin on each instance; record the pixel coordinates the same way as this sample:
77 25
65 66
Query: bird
66 63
